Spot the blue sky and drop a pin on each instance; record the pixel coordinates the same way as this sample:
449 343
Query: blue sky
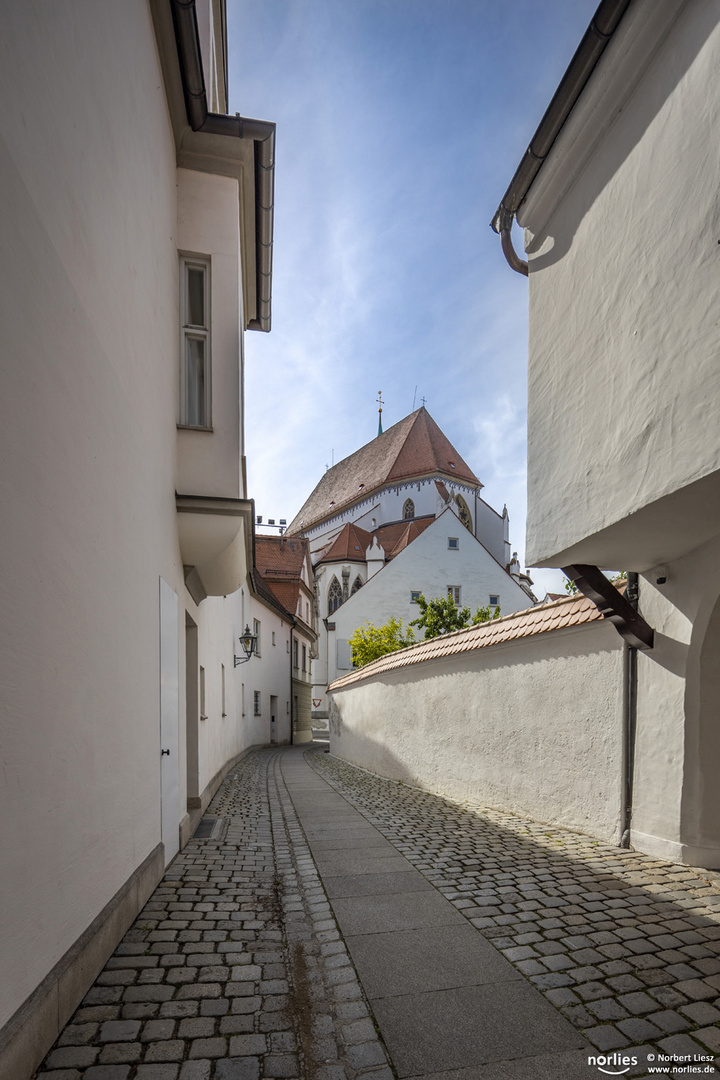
399 126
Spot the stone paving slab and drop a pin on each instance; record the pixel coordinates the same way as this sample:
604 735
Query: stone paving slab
624 946
434 958
393 911
570 1065
469 1026
400 881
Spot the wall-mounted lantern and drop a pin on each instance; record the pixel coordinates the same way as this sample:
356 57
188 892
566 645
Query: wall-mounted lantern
248 640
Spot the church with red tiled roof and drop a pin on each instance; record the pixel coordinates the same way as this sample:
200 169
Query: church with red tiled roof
400 517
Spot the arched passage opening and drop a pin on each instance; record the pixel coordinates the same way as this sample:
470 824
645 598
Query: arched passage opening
700 814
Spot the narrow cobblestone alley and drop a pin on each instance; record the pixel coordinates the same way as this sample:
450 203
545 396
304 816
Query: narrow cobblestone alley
461 943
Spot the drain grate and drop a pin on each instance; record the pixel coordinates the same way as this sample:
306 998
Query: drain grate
209 828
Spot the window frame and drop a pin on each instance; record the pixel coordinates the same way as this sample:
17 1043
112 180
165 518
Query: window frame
189 332
455 593
257 703
334 593
453 543
494 600
257 627
415 595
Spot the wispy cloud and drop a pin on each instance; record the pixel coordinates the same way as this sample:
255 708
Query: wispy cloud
399 126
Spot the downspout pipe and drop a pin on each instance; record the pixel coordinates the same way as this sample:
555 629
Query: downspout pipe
629 719
596 39
262 132
292 697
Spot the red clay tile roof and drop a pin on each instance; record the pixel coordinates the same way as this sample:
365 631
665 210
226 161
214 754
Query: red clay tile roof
278 564
350 544
413 447
265 593
279 555
569 611
287 593
396 536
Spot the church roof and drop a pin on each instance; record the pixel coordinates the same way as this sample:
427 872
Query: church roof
396 536
349 545
352 542
413 447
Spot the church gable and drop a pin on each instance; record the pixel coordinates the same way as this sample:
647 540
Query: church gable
427 450
414 447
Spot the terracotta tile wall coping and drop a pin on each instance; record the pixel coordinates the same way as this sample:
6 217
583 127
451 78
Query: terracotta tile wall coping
558 615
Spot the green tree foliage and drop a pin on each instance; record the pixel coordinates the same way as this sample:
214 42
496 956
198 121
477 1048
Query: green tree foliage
442 615
616 576
370 642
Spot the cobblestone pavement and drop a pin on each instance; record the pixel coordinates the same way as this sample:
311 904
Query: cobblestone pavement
235 969
627 947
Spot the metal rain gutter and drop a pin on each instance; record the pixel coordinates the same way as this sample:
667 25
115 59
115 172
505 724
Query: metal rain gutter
262 132
588 53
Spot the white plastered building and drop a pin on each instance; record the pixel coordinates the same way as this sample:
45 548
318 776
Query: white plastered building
136 249
618 197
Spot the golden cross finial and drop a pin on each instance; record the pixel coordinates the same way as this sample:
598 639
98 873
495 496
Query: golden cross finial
380 400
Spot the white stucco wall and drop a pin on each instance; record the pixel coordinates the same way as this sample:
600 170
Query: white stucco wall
622 235
269 673
676 805
88 421
89 398
533 726
209 225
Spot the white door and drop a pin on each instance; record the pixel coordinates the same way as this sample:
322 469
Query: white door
169 721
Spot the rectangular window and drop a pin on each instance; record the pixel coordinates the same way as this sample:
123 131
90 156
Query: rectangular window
256 632
222 676
273 637
454 594
256 703
415 596
494 600
453 543
195 343
304 657
295 654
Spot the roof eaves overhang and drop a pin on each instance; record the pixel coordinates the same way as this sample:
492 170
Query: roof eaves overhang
224 145
587 55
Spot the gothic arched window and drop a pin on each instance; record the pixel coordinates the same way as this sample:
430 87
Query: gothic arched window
408 510
334 596
464 513
357 584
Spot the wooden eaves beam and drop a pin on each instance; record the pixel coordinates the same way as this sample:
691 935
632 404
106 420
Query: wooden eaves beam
612 605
